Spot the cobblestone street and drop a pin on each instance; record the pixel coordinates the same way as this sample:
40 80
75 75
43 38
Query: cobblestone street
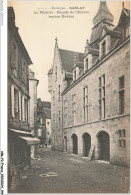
57 172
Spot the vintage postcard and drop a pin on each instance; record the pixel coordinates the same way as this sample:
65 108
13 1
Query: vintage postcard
67 74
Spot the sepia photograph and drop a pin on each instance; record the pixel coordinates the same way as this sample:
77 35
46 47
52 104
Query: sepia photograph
68 69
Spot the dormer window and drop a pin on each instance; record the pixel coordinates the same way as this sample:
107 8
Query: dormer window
104 48
87 64
126 32
74 74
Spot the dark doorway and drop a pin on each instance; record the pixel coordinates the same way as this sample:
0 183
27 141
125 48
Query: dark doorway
65 144
86 143
103 146
75 144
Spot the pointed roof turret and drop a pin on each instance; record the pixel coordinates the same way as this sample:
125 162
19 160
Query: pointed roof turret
102 18
124 17
103 13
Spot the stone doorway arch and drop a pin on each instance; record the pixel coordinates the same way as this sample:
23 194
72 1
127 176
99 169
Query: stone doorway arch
74 144
86 144
103 146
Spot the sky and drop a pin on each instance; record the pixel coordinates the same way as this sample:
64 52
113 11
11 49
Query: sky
38 31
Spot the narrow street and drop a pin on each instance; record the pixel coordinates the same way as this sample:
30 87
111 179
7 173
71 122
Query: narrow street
57 172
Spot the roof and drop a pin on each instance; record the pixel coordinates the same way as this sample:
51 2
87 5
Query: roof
67 58
43 104
125 15
103 13
21 132
127 12
96 33
14 31
124 22
47 113
31 140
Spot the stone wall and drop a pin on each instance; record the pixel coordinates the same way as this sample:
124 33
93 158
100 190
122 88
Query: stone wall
113 67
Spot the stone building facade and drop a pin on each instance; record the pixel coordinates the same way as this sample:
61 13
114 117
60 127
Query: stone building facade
90 92
44 121
20 137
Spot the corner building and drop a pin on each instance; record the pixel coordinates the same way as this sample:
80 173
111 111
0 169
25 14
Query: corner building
90 92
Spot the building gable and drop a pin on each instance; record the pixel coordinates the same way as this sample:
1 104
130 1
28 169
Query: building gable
57 68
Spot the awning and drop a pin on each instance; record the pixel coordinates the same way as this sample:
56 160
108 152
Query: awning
21 132
31 140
